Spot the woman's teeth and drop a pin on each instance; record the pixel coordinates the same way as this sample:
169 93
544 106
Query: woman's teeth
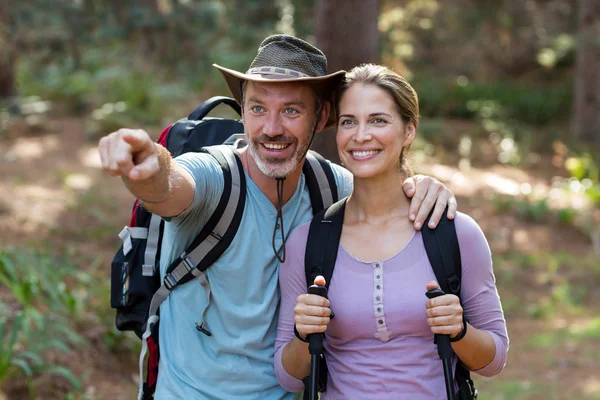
363 154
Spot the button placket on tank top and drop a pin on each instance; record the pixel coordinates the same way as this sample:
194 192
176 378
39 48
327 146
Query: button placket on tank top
382 333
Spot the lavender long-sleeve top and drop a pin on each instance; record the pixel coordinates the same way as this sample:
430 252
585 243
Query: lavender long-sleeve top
379 345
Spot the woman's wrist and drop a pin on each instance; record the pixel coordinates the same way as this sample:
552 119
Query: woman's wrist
462 332
299 336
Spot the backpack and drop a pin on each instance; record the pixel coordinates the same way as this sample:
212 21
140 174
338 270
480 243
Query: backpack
443 251
136 288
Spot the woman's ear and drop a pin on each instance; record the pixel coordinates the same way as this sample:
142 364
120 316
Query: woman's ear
409 134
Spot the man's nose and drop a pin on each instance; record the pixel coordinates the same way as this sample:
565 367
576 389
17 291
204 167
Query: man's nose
274 125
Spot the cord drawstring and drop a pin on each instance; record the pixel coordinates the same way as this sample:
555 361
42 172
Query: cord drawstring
279 222
279 219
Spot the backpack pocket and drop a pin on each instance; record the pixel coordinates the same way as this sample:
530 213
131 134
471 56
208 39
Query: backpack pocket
132 283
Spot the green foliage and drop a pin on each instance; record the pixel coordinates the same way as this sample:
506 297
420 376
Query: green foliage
585 172
463 99
586 330
46 310
561 282
21 353
535 210
582 167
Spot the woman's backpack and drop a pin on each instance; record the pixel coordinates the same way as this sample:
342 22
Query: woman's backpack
443 251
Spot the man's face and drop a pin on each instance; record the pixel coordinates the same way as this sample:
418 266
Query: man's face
279 119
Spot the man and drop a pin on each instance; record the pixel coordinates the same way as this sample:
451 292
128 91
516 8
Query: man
285 100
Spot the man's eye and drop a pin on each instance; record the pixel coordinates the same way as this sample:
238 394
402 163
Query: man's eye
291 111
257 109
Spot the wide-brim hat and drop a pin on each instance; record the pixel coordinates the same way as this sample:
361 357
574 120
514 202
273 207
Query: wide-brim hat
285 58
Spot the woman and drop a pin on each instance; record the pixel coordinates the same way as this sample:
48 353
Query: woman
384 349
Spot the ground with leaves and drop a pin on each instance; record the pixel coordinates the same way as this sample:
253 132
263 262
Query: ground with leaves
56 202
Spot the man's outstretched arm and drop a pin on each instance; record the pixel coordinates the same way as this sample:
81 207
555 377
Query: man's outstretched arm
147 170
428 194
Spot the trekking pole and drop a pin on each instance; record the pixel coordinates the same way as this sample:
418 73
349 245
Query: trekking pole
445 350
315 348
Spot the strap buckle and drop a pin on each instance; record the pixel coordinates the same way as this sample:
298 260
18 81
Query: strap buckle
454 284
201 327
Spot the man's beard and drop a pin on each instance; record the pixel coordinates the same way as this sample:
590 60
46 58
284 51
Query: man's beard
277 167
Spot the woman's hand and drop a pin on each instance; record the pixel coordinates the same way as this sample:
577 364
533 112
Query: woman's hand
312 312
444 313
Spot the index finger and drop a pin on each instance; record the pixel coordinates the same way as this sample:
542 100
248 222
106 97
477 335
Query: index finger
315 300
136 138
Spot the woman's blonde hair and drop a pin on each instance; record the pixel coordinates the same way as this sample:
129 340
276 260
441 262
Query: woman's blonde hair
405 97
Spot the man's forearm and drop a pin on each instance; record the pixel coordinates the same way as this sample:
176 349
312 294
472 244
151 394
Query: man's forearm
167 193
158 188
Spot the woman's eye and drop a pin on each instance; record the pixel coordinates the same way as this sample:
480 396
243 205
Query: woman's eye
379 121
346 122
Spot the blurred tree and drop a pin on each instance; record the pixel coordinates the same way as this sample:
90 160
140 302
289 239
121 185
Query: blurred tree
8 53
586 108
347 32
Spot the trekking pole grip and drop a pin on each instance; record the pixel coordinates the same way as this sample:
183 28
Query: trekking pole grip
315 340
445 350
443 341
315 348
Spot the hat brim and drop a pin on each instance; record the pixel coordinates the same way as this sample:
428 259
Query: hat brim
327 84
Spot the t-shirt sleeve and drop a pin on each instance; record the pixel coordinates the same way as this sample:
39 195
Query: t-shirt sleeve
479 295
292 283
207 176
343 179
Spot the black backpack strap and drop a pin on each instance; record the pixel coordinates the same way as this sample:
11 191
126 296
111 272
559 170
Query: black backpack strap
321 253
320 181
323 241
206 107
443 252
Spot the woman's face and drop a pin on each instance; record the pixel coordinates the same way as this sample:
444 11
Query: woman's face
371 133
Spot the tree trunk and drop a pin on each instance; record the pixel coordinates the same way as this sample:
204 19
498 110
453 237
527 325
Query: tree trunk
7 77
347 32
8 54
586 106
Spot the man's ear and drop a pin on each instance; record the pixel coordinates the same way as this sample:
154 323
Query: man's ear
324 116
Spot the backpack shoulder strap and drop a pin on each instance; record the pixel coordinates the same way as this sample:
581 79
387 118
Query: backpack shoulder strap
320 181
220 229
443 252
323 241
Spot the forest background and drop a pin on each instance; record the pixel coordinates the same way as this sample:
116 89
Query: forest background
510 103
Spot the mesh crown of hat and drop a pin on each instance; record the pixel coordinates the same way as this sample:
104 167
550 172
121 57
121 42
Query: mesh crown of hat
284 51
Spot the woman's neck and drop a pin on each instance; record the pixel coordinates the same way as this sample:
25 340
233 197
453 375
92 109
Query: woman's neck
377 200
